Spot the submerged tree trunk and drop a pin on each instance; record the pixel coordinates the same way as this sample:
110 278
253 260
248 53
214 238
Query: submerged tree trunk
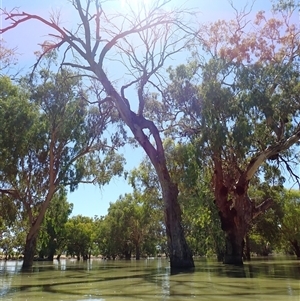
234 247
236 210
29 251
137 252
236 216
179 252
50 257
127 254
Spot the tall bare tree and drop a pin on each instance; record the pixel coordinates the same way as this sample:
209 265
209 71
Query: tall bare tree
137 44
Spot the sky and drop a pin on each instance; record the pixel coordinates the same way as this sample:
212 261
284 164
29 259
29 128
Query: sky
90 200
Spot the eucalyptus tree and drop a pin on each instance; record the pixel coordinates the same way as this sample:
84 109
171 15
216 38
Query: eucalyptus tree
51 139
290 225
131 227
238 102
52 237
79 236
199 216
137 42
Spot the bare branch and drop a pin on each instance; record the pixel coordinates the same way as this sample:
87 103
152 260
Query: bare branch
283 145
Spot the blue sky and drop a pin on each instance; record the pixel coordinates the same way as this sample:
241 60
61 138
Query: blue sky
90 200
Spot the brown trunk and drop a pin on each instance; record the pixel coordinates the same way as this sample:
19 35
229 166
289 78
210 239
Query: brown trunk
35 225
127 255
29 251
234 215
234 248
179 252
137 252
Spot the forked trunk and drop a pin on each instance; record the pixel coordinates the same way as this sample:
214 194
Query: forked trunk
29 251
237 211
179 252
235 215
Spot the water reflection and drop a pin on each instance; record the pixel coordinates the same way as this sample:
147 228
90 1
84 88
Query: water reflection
97 280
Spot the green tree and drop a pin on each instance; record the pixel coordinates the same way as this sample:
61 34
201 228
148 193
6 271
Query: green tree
241 112
200 217
52 237
290 226
79 236
57 141
264 236
145 39
130 227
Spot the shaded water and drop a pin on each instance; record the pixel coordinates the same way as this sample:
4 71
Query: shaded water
97 280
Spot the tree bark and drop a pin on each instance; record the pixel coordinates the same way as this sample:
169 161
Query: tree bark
127 255
29 251
179 252
234 247
137 252
236 210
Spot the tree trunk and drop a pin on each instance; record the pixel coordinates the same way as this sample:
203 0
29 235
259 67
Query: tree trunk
235 223
137 252
179 252
29 252
234 247
127 255
50 257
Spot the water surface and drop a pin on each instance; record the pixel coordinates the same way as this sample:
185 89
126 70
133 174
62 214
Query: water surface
98 280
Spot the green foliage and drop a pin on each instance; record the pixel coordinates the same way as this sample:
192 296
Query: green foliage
290 226
79 236
51 138
52 237
132 225
200 218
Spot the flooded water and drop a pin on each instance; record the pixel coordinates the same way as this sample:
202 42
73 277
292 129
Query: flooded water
97 280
